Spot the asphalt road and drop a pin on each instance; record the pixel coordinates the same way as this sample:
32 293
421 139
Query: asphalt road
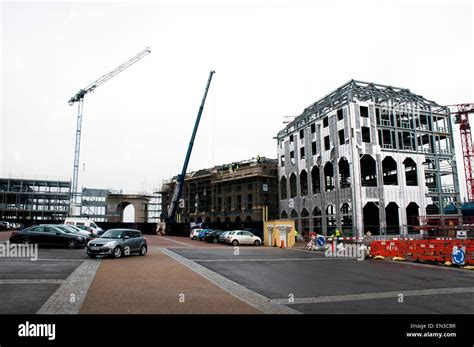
25 284
306 282
316 284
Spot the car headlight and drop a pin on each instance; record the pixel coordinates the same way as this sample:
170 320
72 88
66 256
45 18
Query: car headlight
110 243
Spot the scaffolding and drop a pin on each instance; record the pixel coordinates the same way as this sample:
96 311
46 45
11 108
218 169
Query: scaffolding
234 192
37 199
367 157
94 204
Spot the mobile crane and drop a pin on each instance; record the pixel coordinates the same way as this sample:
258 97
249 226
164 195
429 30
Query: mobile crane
178 188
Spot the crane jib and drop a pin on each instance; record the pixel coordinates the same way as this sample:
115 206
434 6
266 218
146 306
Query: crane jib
79 98
178 189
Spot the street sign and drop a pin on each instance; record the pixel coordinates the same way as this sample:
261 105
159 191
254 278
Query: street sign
459 255
320 241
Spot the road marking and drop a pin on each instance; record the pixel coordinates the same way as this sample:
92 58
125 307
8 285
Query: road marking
248 296
178 242
31 281
371 296
430 266
266 260
39 259
70 295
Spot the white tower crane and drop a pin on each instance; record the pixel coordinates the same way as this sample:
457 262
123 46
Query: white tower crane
79 98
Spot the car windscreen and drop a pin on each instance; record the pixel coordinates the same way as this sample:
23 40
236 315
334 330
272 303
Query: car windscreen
65 229
113 234
73 227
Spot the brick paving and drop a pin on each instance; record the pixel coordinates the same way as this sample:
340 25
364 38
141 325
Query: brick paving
69 297
157 284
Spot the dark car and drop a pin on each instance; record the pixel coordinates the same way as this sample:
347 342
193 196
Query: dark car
118 242
71 229
213 236
47 235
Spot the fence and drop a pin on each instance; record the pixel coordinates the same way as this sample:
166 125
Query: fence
438 250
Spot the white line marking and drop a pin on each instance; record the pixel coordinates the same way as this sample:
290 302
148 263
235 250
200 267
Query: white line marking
248 296
266 260
371 296
430 266
39 259
31 281
178 242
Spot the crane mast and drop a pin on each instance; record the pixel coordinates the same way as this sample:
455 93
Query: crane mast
79 99
178 188
461 117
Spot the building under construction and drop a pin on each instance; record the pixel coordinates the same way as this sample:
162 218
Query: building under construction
367 157
38 199
236 192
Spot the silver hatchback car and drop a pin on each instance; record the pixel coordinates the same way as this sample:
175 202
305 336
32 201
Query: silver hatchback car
117 243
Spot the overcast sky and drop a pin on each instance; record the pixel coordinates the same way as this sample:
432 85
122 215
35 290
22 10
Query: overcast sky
272 59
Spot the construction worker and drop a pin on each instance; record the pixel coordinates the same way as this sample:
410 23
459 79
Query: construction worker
335 236
297 234
259 160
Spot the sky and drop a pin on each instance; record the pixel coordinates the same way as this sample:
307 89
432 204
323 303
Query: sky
272 59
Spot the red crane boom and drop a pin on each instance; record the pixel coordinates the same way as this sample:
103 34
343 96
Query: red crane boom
461 117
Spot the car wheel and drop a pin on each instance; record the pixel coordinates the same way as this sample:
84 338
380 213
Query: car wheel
235 243
117 252
256 243
215 240
143 250
72 243
194 238
27 241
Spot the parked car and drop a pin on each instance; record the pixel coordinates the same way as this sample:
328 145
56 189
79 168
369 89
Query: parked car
223 236
71 229
87 229
47 235
228 235
203 233
117 243
194 234
242 237
213 236
256 231
79 222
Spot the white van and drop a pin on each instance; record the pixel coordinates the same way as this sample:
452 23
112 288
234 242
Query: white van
78 222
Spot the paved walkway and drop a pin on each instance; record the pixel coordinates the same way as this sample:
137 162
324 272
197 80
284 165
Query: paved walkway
4 236
157 284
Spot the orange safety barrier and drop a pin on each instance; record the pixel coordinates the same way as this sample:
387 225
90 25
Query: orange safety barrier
439 250
389 248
